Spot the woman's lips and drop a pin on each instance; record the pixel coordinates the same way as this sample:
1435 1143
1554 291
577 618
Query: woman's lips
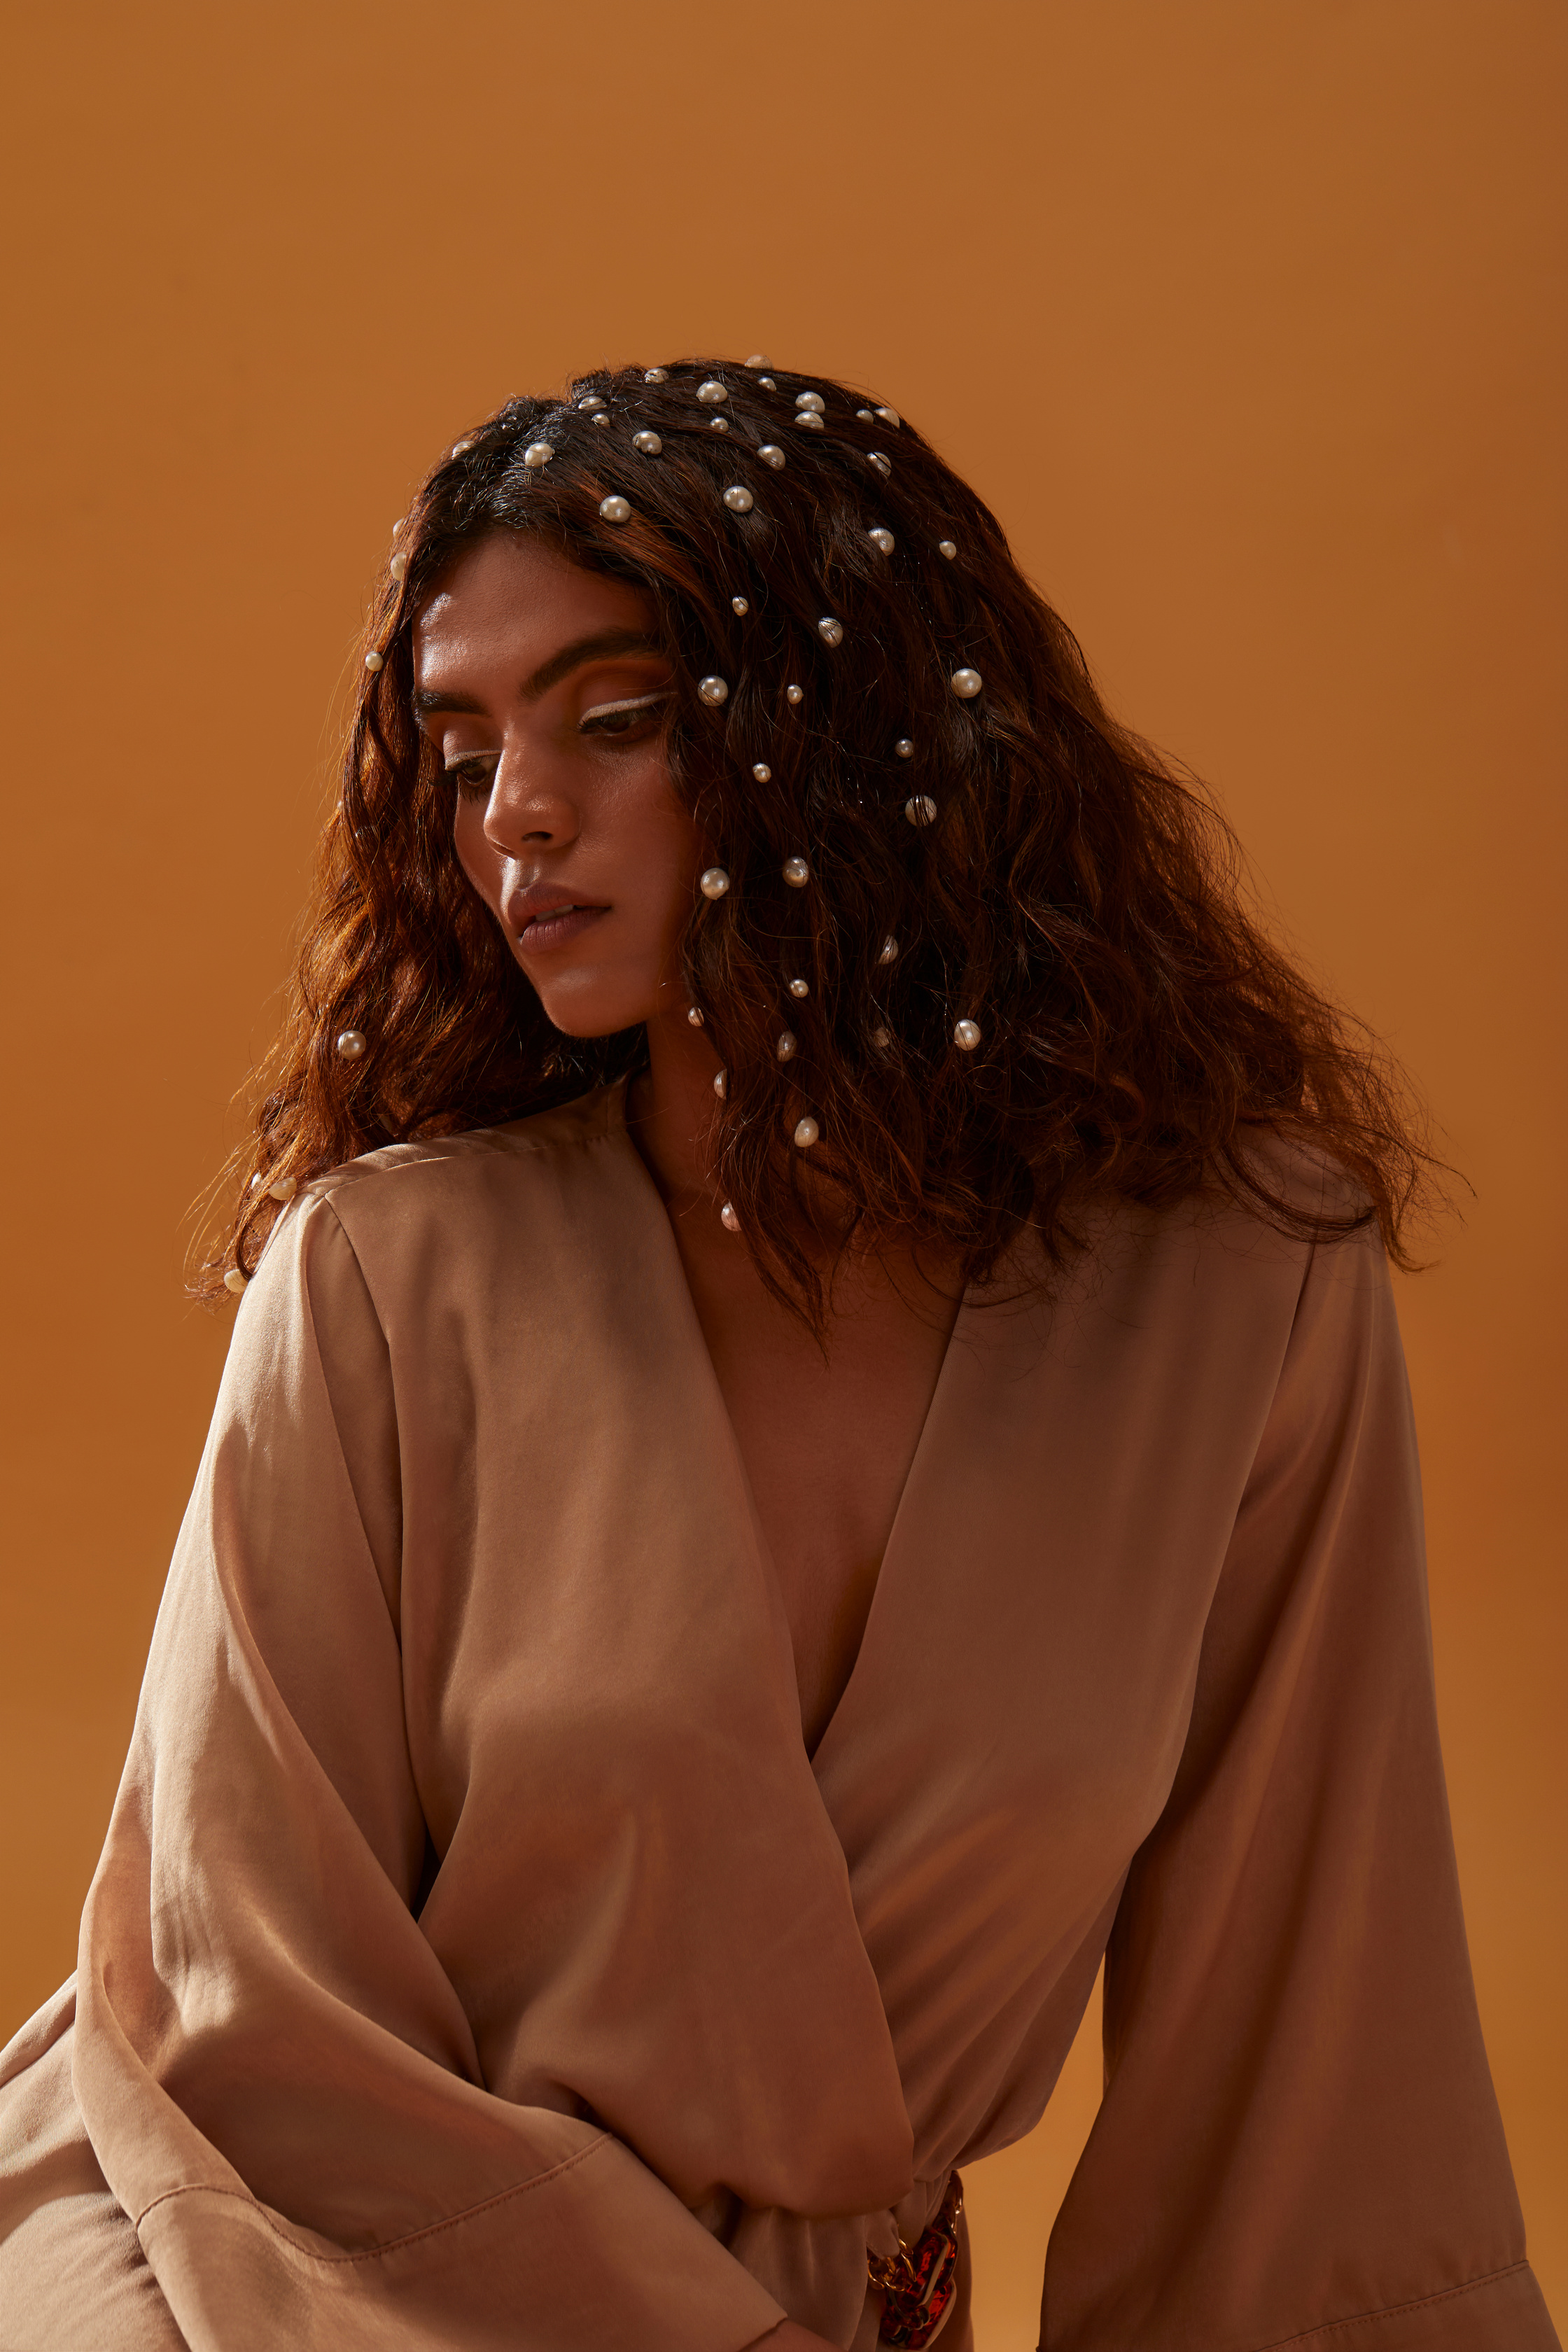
556 927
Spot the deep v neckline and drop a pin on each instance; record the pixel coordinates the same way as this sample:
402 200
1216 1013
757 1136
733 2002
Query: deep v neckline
877 1611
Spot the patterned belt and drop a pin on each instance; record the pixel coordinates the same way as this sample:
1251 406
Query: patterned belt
917 2287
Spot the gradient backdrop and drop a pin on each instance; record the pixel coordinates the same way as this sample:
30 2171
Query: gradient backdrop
1247 316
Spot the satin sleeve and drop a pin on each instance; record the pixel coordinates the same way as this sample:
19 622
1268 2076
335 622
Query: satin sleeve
279 2081
1298 2143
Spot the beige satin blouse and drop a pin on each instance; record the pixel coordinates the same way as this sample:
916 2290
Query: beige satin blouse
476 1960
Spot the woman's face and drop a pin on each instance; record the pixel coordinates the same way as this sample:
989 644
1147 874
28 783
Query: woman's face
544 692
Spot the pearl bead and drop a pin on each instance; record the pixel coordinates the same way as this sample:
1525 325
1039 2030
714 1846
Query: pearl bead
398 566
461 448
890 950
800 988
966 1037
945 547
714 882
759 358
714 690
397 526
767 384
762 772
794 693
284 1188
967 684
373 662
351 1044
720 425
739 607
884 464
922 810
881 538
787 1045
881 1040
810 419
590 403
806 1134
537 454
648 442
890 417
739 499
711 392
729 1220
695 1017
598 420
811 400
719 1087
255 1180
235 1281
656 375
864 416
797 873
615 510
830 632
772 455
903 749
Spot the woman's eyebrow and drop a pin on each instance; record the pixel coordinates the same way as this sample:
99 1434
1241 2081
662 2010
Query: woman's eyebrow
603 645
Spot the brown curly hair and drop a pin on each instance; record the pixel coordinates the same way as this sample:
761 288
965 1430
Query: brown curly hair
1010 858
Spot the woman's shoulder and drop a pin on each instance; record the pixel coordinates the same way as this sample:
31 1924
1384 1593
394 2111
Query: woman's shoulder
445 1200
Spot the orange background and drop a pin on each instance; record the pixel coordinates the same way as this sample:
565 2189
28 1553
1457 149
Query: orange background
1248 318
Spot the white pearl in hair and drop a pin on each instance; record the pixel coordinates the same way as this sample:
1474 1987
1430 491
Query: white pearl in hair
806 1134
714 882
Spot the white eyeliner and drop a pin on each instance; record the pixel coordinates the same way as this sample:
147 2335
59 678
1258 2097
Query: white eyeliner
635 702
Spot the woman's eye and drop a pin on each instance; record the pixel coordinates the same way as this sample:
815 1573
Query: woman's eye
473 777
617 720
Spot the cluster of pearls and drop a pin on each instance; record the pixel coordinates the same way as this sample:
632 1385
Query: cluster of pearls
920 809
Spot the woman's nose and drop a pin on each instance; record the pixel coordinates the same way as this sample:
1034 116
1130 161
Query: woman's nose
528 809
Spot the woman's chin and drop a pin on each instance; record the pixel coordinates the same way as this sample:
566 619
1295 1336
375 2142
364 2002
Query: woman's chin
593 1012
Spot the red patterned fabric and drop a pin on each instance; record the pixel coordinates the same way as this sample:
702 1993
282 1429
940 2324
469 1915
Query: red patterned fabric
918 2288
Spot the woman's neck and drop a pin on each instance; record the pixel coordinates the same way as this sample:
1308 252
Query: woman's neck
671 1109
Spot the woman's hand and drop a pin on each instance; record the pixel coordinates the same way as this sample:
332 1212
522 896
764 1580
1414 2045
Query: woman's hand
789 2337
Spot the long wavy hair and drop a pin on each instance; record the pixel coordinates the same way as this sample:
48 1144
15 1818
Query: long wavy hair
1021 979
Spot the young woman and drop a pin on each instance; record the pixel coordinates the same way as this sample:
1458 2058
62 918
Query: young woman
816 1440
